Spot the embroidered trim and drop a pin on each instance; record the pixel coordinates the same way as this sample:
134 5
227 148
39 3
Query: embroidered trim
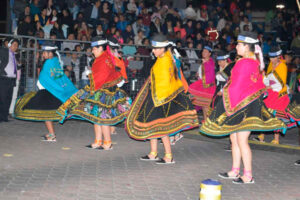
160 127
278 78
34 115
226 99
293 110
248 124
158 102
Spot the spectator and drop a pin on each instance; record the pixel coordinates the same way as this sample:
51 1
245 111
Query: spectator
66 57
128 33
57 43
68 44
138 25
118 6
145 49
53 17
85 67
221 23
189 28
24 14
75 63
168 29
122 23
246 22
92 13
115 21
67 19
34 8
105 15
8 76
191 54
199 29
234 7
155 26
74 9
57 30
118 36
40 34
42 17
49 7
129 50
198 39
26 27
180 29
157 7
83 30
131 9
212 32
139 38
202 14
146 17
99 31
180 5
190 12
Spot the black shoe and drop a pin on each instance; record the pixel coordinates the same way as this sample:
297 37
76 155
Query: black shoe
241 181
102 148
91 147
226 176
163 162
147 158
297 163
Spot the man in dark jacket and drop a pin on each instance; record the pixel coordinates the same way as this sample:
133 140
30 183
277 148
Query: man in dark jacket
8 74
92 13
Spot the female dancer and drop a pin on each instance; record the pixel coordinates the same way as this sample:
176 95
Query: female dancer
222 76
161 109
275 81
54 89
204 89
101 103
241 109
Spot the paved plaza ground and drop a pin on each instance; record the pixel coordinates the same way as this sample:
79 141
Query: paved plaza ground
31 169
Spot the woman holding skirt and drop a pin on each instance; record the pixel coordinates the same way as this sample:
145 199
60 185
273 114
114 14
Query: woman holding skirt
54 89
103 103
241 109
161 108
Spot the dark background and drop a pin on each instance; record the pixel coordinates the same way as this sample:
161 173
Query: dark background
3 15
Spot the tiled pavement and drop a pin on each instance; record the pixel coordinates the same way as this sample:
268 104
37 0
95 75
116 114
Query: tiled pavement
31 169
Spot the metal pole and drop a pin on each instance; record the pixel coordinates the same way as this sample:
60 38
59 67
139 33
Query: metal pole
34 64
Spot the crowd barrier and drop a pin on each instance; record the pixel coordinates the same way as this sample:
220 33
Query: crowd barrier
30 61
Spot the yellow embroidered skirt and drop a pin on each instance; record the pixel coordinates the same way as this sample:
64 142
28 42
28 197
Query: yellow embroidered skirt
253 117
37 106
107 106
145 121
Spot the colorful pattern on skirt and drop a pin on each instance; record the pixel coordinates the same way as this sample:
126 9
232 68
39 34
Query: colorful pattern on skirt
254 117
201 96
145 121
105 107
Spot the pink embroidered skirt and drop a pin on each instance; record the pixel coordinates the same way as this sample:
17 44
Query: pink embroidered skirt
201 96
